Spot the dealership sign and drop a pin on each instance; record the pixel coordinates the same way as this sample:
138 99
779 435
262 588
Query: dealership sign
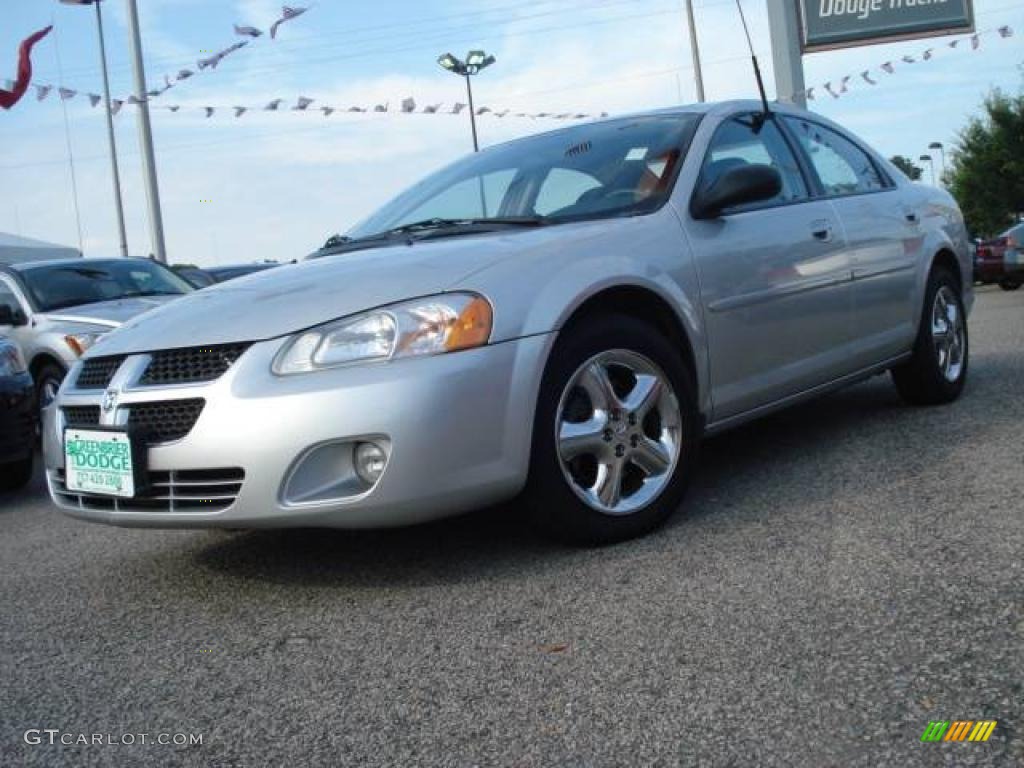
842 23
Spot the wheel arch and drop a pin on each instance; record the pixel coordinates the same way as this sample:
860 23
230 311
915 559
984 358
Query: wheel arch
648 304
41 360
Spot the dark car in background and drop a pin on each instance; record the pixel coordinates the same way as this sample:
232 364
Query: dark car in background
1001 259
17 418
204 278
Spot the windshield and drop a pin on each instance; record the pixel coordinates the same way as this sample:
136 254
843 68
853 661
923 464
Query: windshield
610 168
69 285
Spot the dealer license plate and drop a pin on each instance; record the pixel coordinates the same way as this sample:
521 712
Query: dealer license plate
99 462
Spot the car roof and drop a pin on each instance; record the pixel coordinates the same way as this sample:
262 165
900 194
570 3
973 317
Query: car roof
30 265
708 107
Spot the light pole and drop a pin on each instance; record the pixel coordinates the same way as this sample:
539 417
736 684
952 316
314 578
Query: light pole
115 172
695 52
931 164
474 63
942 153
156 222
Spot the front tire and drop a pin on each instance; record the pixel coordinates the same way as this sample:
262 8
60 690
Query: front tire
15 474
937 370
615 434
48 381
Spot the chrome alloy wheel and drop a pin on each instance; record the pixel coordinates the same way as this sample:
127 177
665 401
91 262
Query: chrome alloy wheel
618 432
948 333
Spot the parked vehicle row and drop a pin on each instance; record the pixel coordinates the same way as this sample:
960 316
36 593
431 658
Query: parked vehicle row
565 316
1001 259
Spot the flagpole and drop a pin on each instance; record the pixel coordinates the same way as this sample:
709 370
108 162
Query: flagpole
156 223
115 172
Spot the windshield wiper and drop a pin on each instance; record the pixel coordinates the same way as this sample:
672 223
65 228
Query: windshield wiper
427 225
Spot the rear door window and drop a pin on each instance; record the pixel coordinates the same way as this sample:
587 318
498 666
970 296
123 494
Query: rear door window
842 166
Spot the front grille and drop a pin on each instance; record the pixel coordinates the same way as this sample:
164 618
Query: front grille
97 373
81 415
165 421
186 366
193 490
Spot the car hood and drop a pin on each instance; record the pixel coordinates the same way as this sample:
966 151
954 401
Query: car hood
108 313
293 297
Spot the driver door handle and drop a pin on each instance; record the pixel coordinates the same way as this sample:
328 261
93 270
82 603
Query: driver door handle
821 230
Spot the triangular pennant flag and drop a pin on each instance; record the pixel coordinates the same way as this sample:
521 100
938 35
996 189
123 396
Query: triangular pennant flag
66 93
927 54
867 78
563 116
94 99
272 106
457 107
115 106
975 42
239 111
153 94
1005 31
356 109
133 99
842 84
247 31
209 111
287 13
174 108
210 62
907 59
828 87
302 104
431 109
42 91
888 67
810 94
483 110
381 107
185 74
505 112
409 105
954 43
328 111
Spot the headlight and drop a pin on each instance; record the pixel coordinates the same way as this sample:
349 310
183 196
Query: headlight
430 326
11 361
79 342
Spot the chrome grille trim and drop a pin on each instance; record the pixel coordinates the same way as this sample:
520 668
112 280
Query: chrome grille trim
169 491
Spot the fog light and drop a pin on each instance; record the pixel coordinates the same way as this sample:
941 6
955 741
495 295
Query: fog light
370 460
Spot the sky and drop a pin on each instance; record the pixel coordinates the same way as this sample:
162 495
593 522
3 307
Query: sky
275 185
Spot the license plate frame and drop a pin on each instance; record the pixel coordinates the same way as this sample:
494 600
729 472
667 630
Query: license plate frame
98 481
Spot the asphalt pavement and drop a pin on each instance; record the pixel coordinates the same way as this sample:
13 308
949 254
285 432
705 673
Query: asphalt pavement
842 574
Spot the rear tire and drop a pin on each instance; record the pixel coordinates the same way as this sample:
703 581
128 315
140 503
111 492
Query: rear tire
614 464
937 370
15 474
1009 285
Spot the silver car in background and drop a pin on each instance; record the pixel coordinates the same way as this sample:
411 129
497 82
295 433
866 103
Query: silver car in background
563 316
55 310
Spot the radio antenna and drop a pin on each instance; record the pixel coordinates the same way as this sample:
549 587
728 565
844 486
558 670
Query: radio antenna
757 69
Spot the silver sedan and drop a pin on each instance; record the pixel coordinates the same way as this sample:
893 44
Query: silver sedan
562 317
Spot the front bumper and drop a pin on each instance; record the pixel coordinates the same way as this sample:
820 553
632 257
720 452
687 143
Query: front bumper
17 418
459 428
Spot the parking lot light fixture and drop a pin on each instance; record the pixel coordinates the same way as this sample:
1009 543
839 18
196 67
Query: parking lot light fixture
475 62
931 164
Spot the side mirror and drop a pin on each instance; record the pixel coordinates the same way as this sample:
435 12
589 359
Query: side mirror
11 316
737 186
